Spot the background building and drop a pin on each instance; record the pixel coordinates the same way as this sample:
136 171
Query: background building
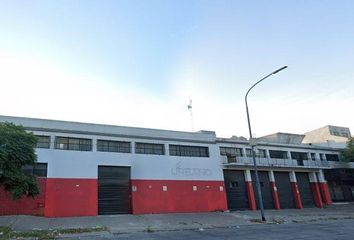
341 175
331 136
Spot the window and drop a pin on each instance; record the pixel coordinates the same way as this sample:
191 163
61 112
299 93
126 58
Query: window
75 144
322 157
313 156
332 157
278 154
230 151
248 152
189 151
260 153
39 169
43 141
233 184
345 134
113 146
149 148
299 155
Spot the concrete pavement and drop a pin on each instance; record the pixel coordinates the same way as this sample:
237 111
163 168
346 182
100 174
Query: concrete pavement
169 222
328 230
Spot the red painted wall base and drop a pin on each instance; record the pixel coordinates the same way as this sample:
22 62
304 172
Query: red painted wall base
71 197
275 196
316 194
296 193
251 196
171 196
25 205
326 196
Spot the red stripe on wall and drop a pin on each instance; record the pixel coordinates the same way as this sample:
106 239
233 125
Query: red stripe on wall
316 194
326 196
251 197
71 197
171 196
297 197
275 195
24 205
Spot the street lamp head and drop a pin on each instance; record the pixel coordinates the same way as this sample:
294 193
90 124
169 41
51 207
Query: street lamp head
280 69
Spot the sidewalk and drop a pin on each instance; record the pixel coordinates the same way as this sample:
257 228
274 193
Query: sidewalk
168 222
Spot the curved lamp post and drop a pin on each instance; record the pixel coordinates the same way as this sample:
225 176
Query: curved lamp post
253 144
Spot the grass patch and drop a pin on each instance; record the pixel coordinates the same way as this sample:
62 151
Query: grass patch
8 233
256 220
278 221
183 223
5 232
149 229
82 230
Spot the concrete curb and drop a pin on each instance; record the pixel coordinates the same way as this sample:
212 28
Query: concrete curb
120 224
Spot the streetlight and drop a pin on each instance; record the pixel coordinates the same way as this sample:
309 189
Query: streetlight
253 144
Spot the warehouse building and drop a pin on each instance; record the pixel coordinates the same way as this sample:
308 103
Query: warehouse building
91 169
291 175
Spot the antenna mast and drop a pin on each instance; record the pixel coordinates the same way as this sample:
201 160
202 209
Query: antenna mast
190 108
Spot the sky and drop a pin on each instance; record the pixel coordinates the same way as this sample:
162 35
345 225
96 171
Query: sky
137 63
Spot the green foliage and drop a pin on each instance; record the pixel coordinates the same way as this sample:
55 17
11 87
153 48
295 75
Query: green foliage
17 150
7 233
347 154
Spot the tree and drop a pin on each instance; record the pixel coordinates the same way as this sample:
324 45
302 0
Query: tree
347 154
17 149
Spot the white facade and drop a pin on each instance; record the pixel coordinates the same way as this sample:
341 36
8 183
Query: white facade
83 164
166 181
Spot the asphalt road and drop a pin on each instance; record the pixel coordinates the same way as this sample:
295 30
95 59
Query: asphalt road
338 229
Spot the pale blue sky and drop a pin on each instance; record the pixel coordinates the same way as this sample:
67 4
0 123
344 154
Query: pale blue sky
136 63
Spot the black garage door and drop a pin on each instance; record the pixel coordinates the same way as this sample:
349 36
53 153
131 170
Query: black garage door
285 192
348 192
236 190
336 192
341 193
305 190
113 190
265 189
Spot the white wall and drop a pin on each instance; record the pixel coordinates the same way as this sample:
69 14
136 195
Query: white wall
80 164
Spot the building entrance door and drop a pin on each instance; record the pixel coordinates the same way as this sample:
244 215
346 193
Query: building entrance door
114 190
